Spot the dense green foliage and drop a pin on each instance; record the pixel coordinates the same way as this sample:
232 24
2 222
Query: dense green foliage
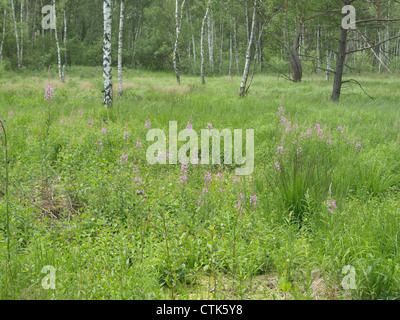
84 199
149 34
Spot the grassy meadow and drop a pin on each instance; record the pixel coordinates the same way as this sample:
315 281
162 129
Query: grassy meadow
82 198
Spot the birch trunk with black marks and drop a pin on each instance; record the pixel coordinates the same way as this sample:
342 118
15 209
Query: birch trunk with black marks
189 47
260 44
247 24
57 44
65 45
318 49
236 44
230 54
34 22
202 43
222 46
3 35
22 12
178 23
120 41
210 42
107 75
193 41
328 64
16 35
248 53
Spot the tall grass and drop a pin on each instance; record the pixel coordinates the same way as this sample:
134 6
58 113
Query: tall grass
112 235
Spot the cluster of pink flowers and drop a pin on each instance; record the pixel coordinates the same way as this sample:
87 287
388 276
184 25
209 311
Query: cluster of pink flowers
138 144
331 206
253 199
203 193
209 126
303 135
90 122
138 180
189 126
104 130
340 128
277 165
239 204
196 157
124 158
80 111
147 124
208 178
11 113
183 177
126 135
319 131
49 93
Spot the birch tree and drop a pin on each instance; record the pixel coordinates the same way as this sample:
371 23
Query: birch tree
210 41
248 53
120 40
22 15
202 42
3 35
60 73
65 45
178 24
107 75
235 43
16 35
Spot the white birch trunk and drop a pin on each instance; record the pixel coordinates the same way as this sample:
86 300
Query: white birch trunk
328 64
22 31
222 46
3 35
58 44
248 53
16 34
380 52
388 37
247 24
318 50
230 54
210 42
34 22
193 42
202 43
120 41
107 75
178 23
65 45
235 43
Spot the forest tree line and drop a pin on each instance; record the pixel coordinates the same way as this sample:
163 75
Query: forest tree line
204 37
